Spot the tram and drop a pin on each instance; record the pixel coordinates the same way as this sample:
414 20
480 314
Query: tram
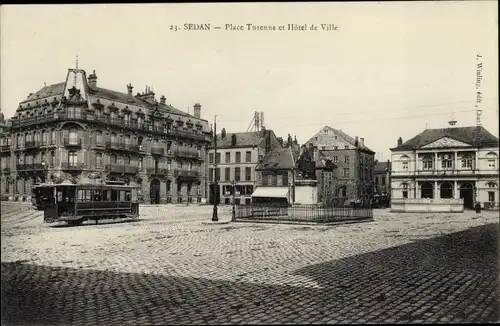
77 203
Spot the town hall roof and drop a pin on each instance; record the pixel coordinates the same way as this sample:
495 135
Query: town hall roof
463 134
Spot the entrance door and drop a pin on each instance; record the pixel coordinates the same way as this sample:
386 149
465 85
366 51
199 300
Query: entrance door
427 190
467 194
154 191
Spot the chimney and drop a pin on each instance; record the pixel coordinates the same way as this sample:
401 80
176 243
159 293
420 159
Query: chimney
356 141
197 110
92 80
233 140
267 140
362 142
147 96
163 99
129 89
400 141
223 133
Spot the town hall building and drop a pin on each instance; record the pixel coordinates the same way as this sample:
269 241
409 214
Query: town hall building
444 165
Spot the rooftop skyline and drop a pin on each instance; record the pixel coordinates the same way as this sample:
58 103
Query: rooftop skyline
390 70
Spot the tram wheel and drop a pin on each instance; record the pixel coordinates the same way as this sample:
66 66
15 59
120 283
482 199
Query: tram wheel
75 222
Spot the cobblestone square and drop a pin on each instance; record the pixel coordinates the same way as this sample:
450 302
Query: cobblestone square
171 267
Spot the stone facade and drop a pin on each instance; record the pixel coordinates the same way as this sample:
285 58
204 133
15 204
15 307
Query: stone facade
237 156
353 160
74 130
449 163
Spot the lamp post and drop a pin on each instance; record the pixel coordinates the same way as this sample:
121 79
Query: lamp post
234 209
215 218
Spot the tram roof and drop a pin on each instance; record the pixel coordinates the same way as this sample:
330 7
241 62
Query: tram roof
86 185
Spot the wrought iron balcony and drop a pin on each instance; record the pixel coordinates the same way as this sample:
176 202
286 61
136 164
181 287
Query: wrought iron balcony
186 134
6 170
188 154
158 151
5 148
72 166
122 146
72 142
122 168
31 167
186 174
157 171
32 144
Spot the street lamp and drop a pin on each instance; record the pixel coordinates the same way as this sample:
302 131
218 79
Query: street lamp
214 216
234 210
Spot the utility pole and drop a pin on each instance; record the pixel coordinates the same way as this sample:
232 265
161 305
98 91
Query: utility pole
234 209
215 218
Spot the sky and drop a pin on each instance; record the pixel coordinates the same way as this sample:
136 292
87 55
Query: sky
389 70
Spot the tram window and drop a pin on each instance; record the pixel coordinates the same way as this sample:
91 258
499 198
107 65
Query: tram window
80 195
114 195
59 196
122 195
104 195
88 195
97 195
134 195
127 195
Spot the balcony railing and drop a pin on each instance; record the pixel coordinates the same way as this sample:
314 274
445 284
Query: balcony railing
72 166
5 148
6 170
122 146
188 154
115 121
158 151
186 134
122 168
72 142
444 172
186 174
31 167
157 171
32 144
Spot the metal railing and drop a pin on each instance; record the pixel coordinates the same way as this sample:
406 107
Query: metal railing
186 174
5 148
122 168
158 151
122 146
71 166
301 213
115 121
77 142
187 154
157 171
30 167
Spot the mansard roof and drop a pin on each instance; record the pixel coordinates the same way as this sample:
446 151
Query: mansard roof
281 158
463 134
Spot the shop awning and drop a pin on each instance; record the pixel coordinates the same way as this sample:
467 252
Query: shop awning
271 192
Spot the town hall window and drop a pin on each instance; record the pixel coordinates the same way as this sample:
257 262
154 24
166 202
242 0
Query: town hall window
228 157
467 162
447 162
427 163
73 158
405 190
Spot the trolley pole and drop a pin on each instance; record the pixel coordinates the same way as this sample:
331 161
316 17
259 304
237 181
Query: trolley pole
215 218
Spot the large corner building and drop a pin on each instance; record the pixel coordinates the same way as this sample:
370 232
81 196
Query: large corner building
76 129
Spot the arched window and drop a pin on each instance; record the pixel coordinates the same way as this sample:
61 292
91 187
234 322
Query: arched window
113 138
447 162
127 159
52 159
114 159
45 138
446 190
467 162
427 190
127 140
427 162
73 136
492 160
405 162
53 137
141 161
492 193
98 138
405 188
98 160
